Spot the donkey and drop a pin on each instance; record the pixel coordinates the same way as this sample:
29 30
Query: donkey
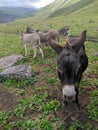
44 36
33 40
71 63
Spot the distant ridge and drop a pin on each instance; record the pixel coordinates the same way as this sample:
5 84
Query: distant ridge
11 13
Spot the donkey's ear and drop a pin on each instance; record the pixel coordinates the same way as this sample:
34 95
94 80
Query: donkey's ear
55 45
79 42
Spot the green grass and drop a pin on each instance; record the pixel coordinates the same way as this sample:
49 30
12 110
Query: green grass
93 106
31 105
79 125
18 83
10 44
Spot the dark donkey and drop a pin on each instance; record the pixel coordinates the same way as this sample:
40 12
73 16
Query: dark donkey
72 62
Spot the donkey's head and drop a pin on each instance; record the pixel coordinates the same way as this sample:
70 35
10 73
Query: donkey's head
64 31
70 64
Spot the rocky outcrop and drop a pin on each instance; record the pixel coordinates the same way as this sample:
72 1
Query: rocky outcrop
8 61
19 72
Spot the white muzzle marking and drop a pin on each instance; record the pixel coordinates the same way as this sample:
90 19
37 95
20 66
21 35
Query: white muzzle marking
69 91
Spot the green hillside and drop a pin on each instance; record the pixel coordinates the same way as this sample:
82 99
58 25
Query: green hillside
64 7
70 6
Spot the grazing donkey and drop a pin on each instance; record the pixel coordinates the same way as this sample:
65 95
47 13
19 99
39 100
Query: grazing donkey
33 40
72 62
44 36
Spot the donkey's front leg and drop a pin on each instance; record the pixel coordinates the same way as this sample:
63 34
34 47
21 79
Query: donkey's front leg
25 49
76 98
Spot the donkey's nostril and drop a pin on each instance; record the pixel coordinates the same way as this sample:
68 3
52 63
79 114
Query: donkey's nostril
65 96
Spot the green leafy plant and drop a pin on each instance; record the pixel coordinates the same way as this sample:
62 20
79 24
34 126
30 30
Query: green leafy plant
29 124
43 124
51 80
19 83
38 88
85 82
27 82
93 106
21 92
51 106
3 118
59 123
10 125
20 111
77 126
89 127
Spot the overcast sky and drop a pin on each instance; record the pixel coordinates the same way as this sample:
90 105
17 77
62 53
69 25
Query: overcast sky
25 3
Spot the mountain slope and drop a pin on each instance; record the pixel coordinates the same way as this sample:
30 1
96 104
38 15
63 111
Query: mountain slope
10 13
69 7
6 17
63 7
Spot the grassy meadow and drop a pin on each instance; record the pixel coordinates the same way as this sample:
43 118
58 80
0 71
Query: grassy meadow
38 101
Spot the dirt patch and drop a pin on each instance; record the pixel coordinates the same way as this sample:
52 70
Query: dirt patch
8 100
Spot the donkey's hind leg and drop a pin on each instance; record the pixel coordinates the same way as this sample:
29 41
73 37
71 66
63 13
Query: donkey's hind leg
34 48
25 49
41 51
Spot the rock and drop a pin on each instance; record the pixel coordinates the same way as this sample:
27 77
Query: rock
19 72
8 61
95 54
